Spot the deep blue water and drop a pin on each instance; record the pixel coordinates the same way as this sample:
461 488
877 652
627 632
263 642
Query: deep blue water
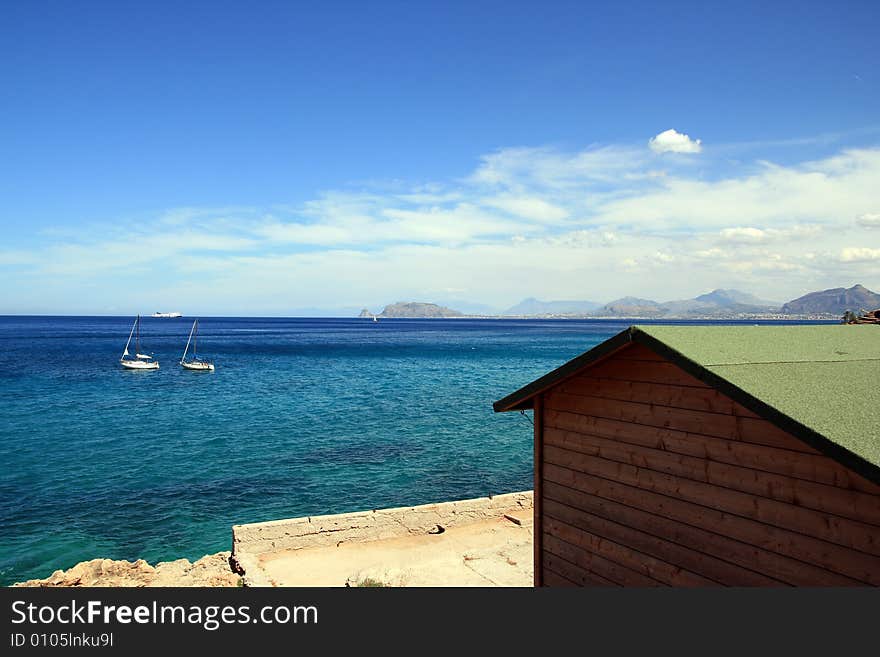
301 417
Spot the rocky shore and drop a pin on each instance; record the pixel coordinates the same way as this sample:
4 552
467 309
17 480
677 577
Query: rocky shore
210 570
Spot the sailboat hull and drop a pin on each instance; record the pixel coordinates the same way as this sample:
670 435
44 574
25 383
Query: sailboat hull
198 366
139 365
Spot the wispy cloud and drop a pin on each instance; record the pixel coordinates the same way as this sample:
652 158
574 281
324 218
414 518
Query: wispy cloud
750 235
599 222
869 220
528 207
551 169
820 191
859 254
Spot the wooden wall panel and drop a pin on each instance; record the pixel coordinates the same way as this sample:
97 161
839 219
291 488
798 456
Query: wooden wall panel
676 524
792 463
576 575
713 570
721 425
841 502
537 533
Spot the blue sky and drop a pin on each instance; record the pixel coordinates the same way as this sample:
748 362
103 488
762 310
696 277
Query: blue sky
237 159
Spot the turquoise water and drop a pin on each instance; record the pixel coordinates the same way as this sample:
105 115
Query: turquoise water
301 417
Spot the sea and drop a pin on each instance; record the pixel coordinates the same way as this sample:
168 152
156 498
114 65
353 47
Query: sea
300 417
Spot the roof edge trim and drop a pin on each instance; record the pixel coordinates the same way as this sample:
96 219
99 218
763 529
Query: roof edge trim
523 398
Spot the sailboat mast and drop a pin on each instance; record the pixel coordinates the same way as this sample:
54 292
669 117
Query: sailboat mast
137 340
196 340
130 333
183 358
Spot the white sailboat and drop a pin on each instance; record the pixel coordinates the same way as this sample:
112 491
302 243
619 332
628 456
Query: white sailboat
140 361
195 363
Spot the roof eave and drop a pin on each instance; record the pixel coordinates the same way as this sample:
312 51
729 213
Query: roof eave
524 398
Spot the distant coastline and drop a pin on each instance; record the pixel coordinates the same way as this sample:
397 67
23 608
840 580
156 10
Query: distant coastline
824 317
717 305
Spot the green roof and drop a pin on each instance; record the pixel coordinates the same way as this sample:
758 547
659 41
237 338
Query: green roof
820 382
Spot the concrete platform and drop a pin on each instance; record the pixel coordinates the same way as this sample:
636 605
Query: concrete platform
494 552
482 542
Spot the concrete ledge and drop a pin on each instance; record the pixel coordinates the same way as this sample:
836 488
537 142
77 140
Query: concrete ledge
254 539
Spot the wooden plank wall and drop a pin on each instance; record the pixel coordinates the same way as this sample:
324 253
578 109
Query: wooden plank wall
648 477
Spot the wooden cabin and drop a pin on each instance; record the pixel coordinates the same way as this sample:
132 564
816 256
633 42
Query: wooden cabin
708 456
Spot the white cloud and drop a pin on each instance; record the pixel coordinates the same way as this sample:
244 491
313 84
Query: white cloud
859 254
526 207
800 232
353 230
552 169
746 235
341 220
599 223
822 191
869 220
124 251
671 141
440 225
584 238
773 263
750 235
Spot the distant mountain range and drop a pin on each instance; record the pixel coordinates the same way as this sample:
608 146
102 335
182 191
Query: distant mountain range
720 303
717 304
534 307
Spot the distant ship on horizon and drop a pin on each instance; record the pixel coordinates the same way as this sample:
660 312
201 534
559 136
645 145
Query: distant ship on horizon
167 315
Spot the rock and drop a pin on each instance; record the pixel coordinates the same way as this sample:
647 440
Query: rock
210 570
835 301
416 310
521 518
